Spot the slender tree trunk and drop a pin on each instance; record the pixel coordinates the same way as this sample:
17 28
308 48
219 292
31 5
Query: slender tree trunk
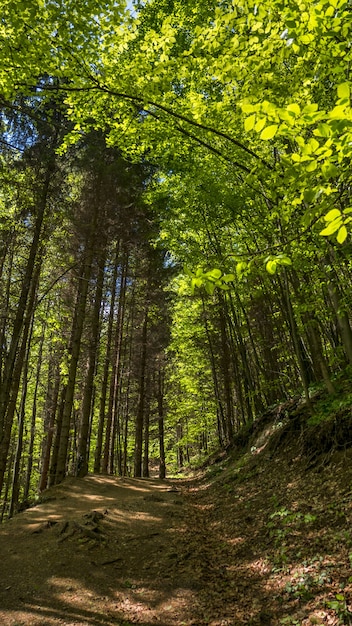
296 340
104 387
220 408
226 362
8 481
115 376
20 427
56 445
342 320
34 417
130 335
180 454
146 423
160 399
83 451
16 378
5 310
141 401
53 387
77 329
20 315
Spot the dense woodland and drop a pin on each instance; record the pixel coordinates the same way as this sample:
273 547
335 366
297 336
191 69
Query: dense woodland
175 204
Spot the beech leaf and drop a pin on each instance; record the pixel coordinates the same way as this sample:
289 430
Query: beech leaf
269 132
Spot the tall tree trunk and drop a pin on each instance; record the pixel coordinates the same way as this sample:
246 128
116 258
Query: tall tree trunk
342 320
52 395
111 423
221 418
146 424
226 362
104 386
56 444
141 400
83 451
160 400
130 336
77 329
20 428
5 310
34 417
16 378
20 315
296 340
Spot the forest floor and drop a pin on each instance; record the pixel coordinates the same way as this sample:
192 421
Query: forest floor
261 538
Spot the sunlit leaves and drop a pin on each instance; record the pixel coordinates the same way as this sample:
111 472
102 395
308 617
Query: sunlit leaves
272 262
210 280
336 221
269 132
343 91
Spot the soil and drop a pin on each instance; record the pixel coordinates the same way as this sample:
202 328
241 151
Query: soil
257 539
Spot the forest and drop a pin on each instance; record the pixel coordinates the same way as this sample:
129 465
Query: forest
175 208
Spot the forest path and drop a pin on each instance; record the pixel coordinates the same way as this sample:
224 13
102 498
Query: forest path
260 541
103 551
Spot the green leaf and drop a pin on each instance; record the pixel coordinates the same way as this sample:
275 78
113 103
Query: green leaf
310 108
249 123
338 112
241 267
329 170
331 228
342 234
214 274
271 267
294 108
209 288
197 282
284 260
248 108
343 91
228 278
323 130
332 215
260 124
333 605
340 597
269 132
312 166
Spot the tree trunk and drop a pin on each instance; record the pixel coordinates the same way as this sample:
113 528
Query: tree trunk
146 423
111 423
52 395
77 329
160 398
104 387
296 340
83 451
20 428
20 315
16 378
141 400
34 417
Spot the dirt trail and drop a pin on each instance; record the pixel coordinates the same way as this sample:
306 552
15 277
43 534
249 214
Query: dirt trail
260 541
97 551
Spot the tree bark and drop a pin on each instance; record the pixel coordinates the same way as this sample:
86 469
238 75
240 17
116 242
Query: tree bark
77 329
141 400
160 400
104 386
83 450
